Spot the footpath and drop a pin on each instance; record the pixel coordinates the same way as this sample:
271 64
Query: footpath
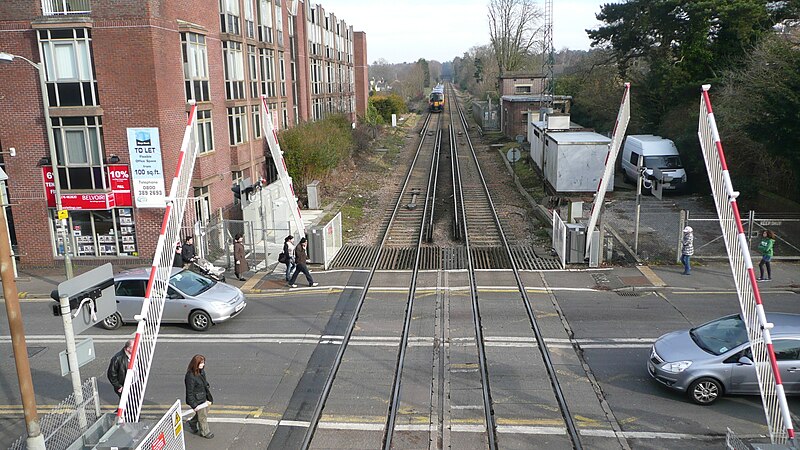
37 284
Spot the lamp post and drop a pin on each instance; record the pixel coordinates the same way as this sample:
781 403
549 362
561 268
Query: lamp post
51 143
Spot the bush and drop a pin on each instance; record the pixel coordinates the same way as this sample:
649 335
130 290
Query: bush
386 105
313 149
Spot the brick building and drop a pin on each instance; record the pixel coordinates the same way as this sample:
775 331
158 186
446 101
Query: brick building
521 100
121 73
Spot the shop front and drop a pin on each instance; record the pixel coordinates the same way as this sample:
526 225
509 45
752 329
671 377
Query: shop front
99 224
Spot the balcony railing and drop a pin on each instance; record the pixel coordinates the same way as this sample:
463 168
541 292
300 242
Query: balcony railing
63 7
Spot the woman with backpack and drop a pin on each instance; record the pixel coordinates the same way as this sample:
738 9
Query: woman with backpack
766 247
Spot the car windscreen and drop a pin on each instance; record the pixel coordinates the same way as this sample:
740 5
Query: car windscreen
663 162
721 335
191 283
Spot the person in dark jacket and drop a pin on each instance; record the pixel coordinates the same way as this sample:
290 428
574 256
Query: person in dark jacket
301 259
119 366
198 396
188 252
177 261
240 263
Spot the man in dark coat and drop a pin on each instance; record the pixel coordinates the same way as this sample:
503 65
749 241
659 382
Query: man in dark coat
240 261
301 259
119 366
188 252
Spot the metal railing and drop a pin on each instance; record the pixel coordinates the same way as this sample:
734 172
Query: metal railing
63 7
69 420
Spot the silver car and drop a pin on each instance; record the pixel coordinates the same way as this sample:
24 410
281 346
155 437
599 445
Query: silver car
191 298
715 359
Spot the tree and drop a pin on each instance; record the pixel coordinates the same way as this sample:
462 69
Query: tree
386 105
426 71
313 149
512 32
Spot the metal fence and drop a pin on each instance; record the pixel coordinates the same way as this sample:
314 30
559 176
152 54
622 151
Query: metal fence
709 243
69 420
560 239
167 434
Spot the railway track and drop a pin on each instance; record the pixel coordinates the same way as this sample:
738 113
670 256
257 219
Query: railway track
423 396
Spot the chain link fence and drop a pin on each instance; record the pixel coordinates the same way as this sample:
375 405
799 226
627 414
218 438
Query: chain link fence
68 421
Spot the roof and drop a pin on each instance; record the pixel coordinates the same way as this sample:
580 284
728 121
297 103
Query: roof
533 98
578 137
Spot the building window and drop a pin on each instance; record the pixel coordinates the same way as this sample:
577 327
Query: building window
234 70
98 233
202 204
279 22
79 150
195 66
265 31
205 131
522 89
249 19
236 177
229 16
267 72
252 67
67 57
285 115
237 124
256 114
283 73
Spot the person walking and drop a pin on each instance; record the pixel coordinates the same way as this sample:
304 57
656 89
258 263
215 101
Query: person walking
687 249
188 252
118 366
766 247
240 263
288 251
301 259
177 261
198 396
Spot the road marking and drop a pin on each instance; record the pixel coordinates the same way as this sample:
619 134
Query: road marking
651 276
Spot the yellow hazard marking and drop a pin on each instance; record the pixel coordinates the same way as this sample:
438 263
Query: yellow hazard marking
62 214
651 276
177 423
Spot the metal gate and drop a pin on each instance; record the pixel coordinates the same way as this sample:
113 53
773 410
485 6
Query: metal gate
560 239
709 243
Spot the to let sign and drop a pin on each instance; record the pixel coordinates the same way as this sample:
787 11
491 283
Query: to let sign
119 180
144 147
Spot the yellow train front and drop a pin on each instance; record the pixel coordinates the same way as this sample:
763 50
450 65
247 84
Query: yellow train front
436 100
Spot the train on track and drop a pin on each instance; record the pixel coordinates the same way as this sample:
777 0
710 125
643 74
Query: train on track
436 100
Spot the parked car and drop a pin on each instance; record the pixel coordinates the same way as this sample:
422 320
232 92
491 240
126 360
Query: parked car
715 358
191 298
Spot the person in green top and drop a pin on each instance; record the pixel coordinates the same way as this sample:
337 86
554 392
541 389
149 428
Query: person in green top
765 247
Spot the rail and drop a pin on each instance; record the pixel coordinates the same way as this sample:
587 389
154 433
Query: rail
320 405
569 422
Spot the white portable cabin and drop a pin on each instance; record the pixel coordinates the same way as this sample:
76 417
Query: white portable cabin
574 161
538 128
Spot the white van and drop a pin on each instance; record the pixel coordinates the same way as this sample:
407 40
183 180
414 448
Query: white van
658 153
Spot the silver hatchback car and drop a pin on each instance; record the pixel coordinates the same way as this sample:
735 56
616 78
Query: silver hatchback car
715 359
191 298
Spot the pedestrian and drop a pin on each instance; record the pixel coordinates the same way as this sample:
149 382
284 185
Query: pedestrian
188 253
687 249
198 396
119 366
300 260
766 248
177 261
240 263
288 256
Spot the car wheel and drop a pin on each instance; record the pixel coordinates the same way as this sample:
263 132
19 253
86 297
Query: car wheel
705 391
199 320
112 322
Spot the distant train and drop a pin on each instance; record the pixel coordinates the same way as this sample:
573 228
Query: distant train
436 101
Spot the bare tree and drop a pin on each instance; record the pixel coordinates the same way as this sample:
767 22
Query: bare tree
513 28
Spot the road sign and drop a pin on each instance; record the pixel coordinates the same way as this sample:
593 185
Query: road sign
84 350
514 154
62 214
91 297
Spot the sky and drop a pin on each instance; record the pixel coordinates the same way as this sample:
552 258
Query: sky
406 30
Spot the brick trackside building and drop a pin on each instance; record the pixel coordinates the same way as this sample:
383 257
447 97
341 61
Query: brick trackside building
119 75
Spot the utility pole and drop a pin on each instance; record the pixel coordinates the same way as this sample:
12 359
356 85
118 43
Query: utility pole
35 440
639 180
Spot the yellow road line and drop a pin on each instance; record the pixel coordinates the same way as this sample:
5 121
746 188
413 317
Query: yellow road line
651 276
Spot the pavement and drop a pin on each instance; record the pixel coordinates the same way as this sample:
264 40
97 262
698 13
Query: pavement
34 285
